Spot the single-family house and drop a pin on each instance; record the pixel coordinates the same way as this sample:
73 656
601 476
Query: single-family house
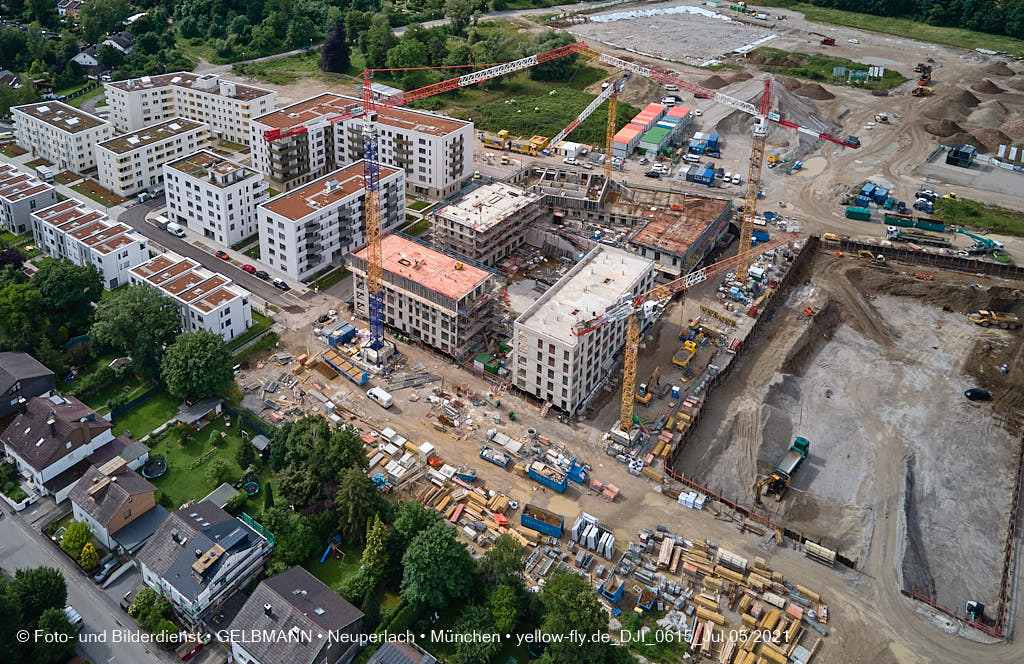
401 652
110 497
22 377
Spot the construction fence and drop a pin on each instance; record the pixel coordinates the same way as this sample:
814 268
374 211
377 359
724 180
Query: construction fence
939 261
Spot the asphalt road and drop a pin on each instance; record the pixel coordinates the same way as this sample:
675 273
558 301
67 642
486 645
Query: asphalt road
22 547
135 216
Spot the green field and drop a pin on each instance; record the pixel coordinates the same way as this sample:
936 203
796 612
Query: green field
975 214
819 68
78 101
259 323
282 71
148 415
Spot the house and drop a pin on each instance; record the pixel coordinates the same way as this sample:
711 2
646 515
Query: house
200 556
87 57
122 41
200 413
295 602
69 7
49 440
401 652
110 497
22 377
10 79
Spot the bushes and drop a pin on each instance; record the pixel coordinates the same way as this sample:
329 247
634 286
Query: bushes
92 384
75 537
90 558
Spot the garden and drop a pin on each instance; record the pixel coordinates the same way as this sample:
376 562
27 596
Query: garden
10 483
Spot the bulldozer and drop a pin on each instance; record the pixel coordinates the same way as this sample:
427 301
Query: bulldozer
876 259
921 91
1002 320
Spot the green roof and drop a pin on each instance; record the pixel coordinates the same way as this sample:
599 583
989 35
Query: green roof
656 135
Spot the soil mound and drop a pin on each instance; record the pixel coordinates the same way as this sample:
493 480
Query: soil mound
814 91
989 114
943 128
964 98
1017 83
990 138
714 82
1013 128
987 87
999 69
940 109
963 138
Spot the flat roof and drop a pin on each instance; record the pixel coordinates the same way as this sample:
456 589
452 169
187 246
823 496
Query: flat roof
203 164
16 184
434 270
488 205
188 282
655 134
150 135
627 133
675 230
60 115
322 192
333 104
161 268
599 280
208 83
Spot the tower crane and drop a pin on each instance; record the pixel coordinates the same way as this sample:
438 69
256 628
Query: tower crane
645 304
611 93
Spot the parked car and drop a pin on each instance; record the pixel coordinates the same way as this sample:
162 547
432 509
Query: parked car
251 269
223 255
261 274
280 283
643 161
978 394
697 112
652 174
572 161
106 569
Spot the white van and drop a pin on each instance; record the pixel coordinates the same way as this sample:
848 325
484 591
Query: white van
175 230
671 88
692 158
381 397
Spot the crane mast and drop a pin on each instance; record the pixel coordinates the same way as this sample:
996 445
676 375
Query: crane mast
371 202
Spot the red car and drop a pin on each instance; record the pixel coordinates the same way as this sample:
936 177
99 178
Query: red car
251 269
223 255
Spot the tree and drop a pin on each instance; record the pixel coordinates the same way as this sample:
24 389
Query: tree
245 456
371 611
559 69
504 603
140 321
458 13
409 54
10 623
334 55
475 620
413 518
498 5
379 39
197 365
21 309
51 358
218 472
37 589
503 564
76 535
570 603
357 501
98 17
436 568
375 555
11 256
55 650
109 57
298 486
69 292
294 538
90 558
268 496
357 587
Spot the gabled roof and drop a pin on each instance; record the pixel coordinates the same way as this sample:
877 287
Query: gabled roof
103 492
122 39
400 652
31 438
19 366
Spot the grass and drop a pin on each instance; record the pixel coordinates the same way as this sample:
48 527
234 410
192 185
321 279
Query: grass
78 101
586 76
819 68
911 29
38 162
147 416
258 347
253 251
282 71
72 89
417 228
328 279
228 145
333 571
67 177
11 240
418 205
975 214
132 386
259 324
271 192
13 150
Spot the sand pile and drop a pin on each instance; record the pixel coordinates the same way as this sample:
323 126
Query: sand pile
1013 128
1017 83
990 138
962 97
943 128
941 109
714 82
989 114
987 87
814 91
999 69
963 138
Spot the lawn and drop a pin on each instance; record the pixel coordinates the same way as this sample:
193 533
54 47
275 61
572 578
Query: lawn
132 386
38 162
148 415
417 228
282 71
271 192
819 68
585 76
228 145
333 571
329 278
253 251
13 150
259 323
81 99
67 177
182 483
418 205
93 190
975 214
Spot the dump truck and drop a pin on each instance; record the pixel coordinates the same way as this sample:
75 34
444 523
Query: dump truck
685 354
541 520
494 456
778 481
1002 320
917 237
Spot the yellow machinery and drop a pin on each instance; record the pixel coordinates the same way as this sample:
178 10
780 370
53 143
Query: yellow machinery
921 91
1005 321
646 390
774 157
685 354
877 259
505 160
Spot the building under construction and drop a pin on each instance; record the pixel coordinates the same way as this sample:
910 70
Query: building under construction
679 237
487 224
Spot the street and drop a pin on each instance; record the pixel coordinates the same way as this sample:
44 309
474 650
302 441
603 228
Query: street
21 547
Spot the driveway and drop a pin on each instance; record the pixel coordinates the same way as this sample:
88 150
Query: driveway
22 547
135 216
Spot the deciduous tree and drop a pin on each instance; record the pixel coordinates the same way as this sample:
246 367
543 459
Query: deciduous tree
37 589
61 645
334 56
197 365
436 568
76 535
140 321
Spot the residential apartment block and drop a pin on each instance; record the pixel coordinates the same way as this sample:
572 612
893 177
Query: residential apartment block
430 295
678 239
208 300
436 152
317 225
214 196
21 194
553 364
227 107
488 224
133 162
200 556
61 134
72 231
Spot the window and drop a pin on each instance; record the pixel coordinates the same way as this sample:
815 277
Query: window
127 514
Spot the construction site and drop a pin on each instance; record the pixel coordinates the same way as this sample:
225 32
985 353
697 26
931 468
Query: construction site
725 405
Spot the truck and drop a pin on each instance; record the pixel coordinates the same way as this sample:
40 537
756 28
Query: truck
541 520
45 173
778 481
917 237
862 214
1002 320
549 476
494 456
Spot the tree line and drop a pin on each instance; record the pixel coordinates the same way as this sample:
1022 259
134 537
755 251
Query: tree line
997 17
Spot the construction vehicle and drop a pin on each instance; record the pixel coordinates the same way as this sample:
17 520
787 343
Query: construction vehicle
921 91
876 259
501 142
922 68
825 39
982 243
646 390
881 118
505 161
685 354
917 237
951 196
1002 320
778 481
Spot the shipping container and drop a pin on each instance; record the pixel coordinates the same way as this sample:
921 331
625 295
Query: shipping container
549 476
611 589
543 521
862 201
899 220
862 214
494 456
926 225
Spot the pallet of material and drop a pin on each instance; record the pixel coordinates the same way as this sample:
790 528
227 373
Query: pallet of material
808 593
774 653
770 619
757 581
761 564
676 557
706 614
707 603
748 620
745 602
775 600
727 573
665 555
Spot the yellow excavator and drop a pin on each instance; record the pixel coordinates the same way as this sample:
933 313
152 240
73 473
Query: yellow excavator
877 259
645 391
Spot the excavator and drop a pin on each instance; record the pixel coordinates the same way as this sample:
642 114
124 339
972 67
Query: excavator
876 259
645 391
921 91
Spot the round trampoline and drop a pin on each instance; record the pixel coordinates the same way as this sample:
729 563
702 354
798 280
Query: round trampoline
251 488
155 467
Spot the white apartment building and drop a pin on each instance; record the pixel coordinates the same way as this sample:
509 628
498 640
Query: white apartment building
214 196
133 162
227 107
61 134
553 364
430 295
75 232
436 152
317 225
487 224
21 194
208 300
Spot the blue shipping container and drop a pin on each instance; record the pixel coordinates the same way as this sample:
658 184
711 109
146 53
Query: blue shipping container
881 193
547 475
867 190
862 201
541 520
760 236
